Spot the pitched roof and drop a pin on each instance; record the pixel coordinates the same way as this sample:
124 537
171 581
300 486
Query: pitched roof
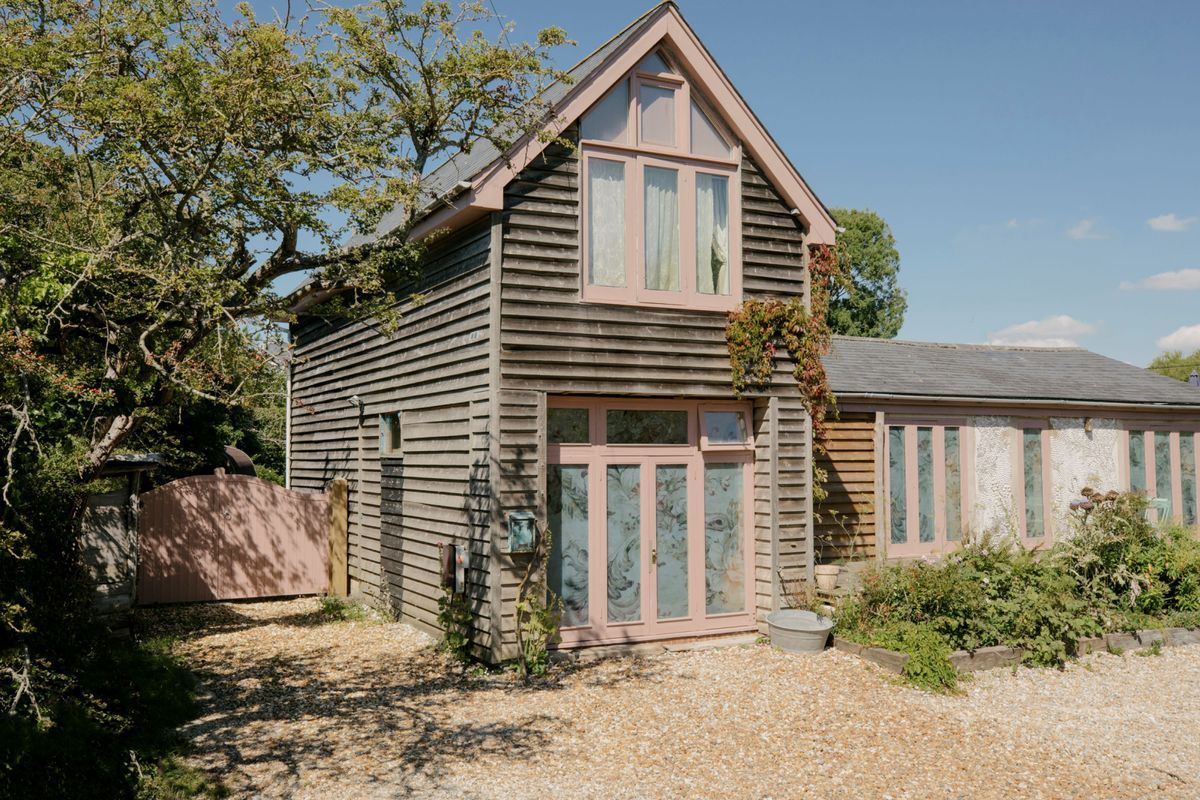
861 366
460 176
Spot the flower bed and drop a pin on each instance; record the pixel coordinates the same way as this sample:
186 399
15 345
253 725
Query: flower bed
993 603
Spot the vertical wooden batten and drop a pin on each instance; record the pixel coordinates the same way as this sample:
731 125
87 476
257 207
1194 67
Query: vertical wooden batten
339 575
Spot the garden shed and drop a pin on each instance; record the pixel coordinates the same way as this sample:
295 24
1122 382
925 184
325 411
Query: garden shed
937 441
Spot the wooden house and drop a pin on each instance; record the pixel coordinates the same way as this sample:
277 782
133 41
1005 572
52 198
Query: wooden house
936 442
568 362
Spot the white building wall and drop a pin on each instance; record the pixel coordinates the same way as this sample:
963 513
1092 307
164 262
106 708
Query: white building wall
994 505
1078 458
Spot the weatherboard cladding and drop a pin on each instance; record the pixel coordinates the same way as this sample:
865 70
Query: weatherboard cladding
858 366
434 370
553 344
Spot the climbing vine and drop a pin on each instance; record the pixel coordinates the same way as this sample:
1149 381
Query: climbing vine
539 611
758 328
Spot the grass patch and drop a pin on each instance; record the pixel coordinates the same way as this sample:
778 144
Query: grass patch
336 609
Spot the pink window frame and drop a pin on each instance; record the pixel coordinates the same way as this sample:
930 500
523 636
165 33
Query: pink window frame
1148 430
914 547
1019 426
636 158
597 455
747 421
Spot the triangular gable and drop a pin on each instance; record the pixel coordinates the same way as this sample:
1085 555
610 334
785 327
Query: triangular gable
482 188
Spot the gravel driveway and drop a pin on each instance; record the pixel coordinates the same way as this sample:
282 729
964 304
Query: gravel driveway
295 707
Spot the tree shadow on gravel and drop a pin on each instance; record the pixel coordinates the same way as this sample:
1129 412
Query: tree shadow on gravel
327 712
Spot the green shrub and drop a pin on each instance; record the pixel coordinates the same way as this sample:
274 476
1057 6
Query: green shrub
1116 572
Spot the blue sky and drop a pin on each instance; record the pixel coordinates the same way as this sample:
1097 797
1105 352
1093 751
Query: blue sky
1037 162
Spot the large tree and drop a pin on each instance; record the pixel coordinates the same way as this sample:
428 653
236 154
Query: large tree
870 301
1174 364
162 168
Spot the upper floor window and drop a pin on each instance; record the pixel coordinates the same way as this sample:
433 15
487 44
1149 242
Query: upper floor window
660 196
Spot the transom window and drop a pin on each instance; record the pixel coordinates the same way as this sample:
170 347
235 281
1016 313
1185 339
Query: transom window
660 195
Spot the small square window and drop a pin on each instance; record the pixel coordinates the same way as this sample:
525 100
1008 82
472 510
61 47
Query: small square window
724 428
567 425
389 434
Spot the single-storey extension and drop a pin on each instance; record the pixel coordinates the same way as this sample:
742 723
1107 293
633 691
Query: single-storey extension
938 441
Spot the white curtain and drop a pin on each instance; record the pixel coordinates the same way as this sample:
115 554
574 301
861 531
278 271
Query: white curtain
662 229
712 234
606 222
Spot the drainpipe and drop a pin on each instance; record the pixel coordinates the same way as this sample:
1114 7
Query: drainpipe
287 423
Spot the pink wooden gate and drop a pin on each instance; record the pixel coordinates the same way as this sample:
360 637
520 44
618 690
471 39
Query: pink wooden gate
225 537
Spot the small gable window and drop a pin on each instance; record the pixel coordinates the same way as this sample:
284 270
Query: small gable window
389 435
660 195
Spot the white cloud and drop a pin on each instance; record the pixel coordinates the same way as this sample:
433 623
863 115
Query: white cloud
1016 224
1180 279
1085 229
1186 339
1171 223
1057 331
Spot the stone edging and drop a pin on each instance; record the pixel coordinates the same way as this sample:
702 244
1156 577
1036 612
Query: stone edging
1002 656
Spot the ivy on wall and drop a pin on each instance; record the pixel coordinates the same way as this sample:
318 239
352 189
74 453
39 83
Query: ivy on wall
758 328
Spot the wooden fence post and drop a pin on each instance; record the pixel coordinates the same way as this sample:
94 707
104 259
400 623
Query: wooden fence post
339 574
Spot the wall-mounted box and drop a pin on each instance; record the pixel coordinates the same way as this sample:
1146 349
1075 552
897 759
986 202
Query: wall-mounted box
522 531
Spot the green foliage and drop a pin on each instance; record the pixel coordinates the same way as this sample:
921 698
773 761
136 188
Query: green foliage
456 621
1174 364
757 327
871 302
336 609
928 666
160 166
539 611
1116 572
97 726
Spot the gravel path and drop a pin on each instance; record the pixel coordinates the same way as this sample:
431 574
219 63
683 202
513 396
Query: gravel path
298 708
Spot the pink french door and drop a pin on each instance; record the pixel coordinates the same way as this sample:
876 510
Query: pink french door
650 506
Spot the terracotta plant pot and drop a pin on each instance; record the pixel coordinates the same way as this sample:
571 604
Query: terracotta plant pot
827 576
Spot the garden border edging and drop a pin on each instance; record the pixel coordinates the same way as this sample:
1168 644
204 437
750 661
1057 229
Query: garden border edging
1002 656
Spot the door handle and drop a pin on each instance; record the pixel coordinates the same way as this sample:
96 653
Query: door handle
653 556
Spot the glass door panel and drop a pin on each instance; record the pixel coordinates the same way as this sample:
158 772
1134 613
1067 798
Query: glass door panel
567 570
623 491
724 532
671 541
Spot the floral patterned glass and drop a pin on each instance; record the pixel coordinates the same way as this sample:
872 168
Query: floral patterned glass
925 519
897 486
567 570
624 542
953 458
1137 461
1162 463
725 427
670 540
567 425
631 426
1032 445
724 565
1187 465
